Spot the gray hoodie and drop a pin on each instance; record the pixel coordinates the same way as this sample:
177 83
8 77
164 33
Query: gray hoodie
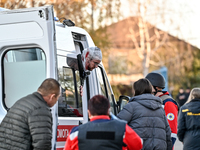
145 115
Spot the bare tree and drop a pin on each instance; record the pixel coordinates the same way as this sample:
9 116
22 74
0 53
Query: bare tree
149 40
16 4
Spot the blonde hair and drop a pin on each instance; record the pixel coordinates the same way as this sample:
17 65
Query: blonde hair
195 93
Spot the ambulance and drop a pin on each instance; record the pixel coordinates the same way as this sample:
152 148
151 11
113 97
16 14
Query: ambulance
34 46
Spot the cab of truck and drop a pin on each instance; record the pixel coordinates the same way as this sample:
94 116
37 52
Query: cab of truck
33 47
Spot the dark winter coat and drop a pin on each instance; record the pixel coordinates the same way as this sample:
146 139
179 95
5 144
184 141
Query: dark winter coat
144 114
27 125
189 125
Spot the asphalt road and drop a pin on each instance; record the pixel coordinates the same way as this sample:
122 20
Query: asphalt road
178 145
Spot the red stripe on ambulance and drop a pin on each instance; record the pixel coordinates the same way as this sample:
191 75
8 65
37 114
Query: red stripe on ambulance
63 131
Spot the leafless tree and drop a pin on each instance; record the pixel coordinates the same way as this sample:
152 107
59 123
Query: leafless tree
150 41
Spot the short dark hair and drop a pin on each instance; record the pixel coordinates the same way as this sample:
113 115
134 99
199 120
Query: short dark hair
142 86
98 105
49 86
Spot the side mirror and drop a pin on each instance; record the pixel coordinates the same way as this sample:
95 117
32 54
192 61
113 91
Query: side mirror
72 62
76 64
123 100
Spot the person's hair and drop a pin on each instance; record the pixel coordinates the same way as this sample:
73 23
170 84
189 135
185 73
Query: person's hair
142 86
94 53
49 86
194 94
98 105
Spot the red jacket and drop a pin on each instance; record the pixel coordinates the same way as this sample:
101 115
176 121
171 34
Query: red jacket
171 111
130 136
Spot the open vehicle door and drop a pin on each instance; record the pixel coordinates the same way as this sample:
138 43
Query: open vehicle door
28 54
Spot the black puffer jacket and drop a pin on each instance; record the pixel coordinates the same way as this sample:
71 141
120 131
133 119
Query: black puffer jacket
27 125
189 125
144 114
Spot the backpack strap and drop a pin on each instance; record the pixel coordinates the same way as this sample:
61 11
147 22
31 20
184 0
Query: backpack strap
166 98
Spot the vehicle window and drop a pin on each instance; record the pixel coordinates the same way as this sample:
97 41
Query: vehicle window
101 82
109 95
23 72
108 88
70 101
104 86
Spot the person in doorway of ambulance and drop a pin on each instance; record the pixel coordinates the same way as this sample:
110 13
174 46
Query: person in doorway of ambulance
189 121
28 123
145 115
101 133
90 59
169 104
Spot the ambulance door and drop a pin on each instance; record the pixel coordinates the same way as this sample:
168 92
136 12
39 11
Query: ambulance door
104 88
72 110
27 54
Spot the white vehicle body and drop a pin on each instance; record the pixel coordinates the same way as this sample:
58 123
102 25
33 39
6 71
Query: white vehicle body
34 47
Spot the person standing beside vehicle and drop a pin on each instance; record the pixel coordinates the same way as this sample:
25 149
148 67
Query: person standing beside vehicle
145 115
189 122
169 104
102 133
28 123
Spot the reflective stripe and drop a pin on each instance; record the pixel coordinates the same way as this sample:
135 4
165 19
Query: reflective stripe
185 110
73 135
174 135
193 114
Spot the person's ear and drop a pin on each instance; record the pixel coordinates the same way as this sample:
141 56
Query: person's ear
86 55
51 96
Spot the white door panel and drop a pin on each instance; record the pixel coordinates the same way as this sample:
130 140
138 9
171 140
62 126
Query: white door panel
21 31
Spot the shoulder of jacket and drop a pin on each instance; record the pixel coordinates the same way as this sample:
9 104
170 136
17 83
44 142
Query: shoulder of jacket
167 98
74 129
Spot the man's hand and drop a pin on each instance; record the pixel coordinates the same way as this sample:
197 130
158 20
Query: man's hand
81 90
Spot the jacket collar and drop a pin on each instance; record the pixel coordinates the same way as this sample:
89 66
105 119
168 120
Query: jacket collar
100 117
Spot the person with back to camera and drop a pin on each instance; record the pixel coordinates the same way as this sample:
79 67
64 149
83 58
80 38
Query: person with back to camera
181 97
187 93
28 123
169 104
145 115
101 133
189 121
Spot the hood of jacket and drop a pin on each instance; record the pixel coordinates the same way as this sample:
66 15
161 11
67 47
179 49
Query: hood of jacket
148 100
193 105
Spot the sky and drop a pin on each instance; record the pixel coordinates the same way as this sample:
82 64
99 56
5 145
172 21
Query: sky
181 17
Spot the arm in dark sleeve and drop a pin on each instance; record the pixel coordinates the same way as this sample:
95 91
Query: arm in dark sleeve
40 125
125 113
181 125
